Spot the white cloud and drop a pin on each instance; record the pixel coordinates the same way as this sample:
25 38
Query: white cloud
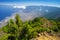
0 22
40 9
46 10
7 17
24 7
6 20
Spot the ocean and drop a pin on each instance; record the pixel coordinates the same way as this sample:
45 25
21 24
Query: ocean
6 11
29 12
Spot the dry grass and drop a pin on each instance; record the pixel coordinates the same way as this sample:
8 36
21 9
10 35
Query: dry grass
46 36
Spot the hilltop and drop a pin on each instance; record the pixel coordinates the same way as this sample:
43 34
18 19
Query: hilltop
39 28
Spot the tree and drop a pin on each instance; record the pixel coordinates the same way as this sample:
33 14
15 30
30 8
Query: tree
19 30
12 26
18 20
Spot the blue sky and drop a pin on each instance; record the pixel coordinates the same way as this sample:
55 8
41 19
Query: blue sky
25 0
30 2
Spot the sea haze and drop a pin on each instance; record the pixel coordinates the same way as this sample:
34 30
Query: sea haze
29 11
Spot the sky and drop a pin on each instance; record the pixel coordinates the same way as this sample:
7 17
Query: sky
23 3
31 2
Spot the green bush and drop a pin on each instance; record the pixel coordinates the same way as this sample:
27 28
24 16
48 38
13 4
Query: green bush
19 30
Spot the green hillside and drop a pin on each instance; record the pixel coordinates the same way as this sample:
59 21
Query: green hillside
18 30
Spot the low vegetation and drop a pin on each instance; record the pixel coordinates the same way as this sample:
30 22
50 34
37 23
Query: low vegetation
18 30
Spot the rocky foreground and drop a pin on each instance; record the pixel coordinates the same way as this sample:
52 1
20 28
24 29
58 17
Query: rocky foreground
46 36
